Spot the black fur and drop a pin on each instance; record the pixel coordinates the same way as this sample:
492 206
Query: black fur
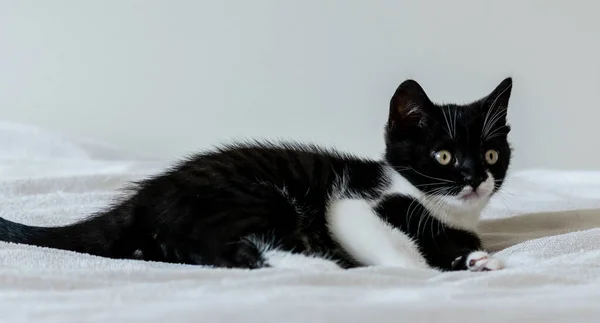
440 244
209 208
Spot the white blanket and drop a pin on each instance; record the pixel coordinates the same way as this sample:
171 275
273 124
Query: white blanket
48 180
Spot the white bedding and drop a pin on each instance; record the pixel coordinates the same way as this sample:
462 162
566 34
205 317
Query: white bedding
48 180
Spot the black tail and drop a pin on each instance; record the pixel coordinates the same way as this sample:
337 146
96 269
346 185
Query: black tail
100 235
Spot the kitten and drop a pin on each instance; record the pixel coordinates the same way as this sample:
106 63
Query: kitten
293 205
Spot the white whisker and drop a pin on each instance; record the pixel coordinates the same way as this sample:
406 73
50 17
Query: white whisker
431 177
454 123
447 123
495 118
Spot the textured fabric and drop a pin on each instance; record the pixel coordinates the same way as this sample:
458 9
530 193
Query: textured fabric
553 258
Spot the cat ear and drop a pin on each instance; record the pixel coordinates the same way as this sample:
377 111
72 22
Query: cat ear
498 99
408 106
495 108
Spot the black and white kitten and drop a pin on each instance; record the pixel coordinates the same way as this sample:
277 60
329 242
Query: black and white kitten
293 205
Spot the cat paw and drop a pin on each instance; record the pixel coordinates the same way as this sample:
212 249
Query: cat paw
483 261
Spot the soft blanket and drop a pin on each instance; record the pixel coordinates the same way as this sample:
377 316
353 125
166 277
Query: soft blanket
545 225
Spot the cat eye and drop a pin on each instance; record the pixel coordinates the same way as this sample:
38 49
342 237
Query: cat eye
443 157
491 156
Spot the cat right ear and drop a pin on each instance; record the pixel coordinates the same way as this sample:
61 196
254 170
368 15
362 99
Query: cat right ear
500 96
408 106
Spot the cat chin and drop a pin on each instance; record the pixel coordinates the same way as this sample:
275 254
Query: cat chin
466 203
468 199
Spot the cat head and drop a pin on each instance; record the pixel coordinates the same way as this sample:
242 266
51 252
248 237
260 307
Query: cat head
458 152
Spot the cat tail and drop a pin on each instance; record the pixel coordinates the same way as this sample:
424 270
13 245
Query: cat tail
102 235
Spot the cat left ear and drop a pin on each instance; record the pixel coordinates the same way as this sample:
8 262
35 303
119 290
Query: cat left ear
408 106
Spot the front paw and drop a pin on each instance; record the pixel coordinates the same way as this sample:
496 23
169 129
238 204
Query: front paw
482 261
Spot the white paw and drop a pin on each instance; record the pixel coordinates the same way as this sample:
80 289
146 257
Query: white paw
483 261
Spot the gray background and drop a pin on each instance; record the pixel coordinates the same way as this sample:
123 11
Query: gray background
162 78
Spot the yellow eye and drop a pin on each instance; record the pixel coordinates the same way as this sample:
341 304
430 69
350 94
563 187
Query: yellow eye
443 157
491 156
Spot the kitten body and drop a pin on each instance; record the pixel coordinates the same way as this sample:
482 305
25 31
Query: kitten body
259 205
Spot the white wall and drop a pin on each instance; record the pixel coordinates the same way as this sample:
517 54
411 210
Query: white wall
167 77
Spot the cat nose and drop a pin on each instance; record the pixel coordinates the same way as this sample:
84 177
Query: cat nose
474 180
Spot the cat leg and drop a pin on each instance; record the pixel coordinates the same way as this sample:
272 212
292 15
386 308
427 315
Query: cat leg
443 246
368 239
